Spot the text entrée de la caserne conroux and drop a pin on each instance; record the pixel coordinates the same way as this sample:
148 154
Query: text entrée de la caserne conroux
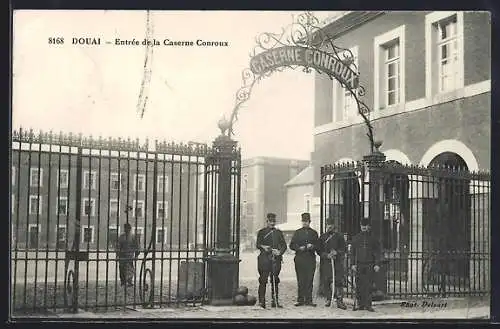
173 43
97 41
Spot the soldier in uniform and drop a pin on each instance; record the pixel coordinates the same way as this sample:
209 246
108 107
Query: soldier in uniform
127 251
332 246
304 242
272 246
366 256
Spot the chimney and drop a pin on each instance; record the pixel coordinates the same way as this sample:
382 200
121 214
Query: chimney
293 169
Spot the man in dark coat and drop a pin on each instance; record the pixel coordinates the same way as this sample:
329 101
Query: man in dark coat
332 247
272 246
304 242
366 258
127 250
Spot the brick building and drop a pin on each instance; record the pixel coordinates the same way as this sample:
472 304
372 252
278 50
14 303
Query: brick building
263 191
427 79
114 190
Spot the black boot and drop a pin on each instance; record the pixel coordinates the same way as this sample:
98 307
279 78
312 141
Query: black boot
340 296
262 295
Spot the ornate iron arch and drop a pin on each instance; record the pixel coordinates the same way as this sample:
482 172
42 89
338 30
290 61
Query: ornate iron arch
303 34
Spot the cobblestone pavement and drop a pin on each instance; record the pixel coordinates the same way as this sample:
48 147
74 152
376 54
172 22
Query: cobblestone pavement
454 308
290 312
474 307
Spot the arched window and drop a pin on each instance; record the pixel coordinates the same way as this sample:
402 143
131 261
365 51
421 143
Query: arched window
451 229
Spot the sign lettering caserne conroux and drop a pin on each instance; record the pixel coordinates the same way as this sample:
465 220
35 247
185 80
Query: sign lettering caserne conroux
308 57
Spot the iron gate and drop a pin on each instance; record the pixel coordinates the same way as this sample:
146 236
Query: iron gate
71 197
433 225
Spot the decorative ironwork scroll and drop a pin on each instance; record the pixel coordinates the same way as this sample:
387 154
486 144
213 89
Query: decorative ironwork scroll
304 44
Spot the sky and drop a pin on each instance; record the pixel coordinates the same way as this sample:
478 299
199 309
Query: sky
95 90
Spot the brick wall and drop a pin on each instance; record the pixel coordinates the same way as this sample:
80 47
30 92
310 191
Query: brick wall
477 47
180 217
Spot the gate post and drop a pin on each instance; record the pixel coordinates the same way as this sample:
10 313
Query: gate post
373 207
223 265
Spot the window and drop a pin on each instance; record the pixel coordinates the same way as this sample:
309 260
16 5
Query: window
138 208
114 207
13 203
160 235
36 177
63 178
88 207
244 208
250 209
62 206
88 234
139 233
13 175
61 236
34 235
89 180
389 68
245 181
139 182
35 205
391 71
162 184
448 55
349 102
161 209
344 104
444 52
113 234
115 181
307 202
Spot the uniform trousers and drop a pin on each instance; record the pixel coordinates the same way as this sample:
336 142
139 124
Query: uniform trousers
364 281
267 267
305 266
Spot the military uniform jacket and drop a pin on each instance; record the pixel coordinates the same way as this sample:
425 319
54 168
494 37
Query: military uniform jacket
302 237
329 241
128 246
273 238
365 249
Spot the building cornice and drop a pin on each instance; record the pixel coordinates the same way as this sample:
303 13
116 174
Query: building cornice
348 21
414 105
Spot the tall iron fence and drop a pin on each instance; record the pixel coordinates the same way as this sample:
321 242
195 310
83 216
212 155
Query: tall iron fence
71 197
432 224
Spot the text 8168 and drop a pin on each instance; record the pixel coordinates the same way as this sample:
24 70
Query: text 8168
56 41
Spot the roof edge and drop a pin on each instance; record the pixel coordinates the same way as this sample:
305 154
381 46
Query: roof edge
348 21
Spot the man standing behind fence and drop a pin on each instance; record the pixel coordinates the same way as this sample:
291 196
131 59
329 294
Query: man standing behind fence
272 246
332 247
127 251
366 256
304 242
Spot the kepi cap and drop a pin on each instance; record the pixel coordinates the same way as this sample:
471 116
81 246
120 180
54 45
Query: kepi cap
364 221
271 216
